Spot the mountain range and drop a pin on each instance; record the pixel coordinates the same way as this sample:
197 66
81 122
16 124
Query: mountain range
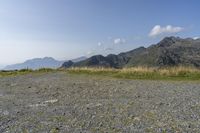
171 51
36 63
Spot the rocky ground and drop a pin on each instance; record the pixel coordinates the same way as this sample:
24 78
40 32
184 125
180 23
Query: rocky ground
60 102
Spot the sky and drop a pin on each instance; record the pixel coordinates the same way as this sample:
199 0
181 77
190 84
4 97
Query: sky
67 29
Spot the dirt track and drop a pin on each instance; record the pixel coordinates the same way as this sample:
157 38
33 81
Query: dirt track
59 102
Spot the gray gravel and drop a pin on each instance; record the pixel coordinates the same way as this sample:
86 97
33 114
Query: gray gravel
60 102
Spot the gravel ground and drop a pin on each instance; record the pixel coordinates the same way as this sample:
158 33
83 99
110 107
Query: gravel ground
60 102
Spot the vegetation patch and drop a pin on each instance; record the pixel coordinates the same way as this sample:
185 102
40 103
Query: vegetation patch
147 73
169 73
25 71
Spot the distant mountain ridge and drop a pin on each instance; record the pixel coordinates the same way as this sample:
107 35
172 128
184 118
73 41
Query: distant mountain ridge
171 51
36 63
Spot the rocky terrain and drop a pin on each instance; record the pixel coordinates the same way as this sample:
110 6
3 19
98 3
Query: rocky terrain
61 102
171 51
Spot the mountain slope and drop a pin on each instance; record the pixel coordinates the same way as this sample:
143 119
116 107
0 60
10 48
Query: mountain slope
36 63
171 51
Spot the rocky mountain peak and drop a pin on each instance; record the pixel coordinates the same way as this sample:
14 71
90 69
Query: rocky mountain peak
168 41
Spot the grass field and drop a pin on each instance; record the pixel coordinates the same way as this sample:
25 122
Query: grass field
148 73
170 73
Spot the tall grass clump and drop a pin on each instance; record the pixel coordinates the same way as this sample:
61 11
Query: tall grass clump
137 72
92 70
179 71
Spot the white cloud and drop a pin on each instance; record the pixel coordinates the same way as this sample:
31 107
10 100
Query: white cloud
158 30
99 44
195 38
119 41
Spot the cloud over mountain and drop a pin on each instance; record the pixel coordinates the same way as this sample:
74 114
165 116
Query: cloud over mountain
119 41
158 30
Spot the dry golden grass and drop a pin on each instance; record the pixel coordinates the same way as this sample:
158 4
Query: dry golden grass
178 70
93 69
140 69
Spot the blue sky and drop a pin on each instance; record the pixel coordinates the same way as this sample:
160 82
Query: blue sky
66 29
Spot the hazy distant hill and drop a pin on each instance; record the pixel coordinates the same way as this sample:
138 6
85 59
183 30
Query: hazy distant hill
36 63
171 51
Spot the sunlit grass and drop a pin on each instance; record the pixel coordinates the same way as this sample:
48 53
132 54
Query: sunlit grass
173 73
150 73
